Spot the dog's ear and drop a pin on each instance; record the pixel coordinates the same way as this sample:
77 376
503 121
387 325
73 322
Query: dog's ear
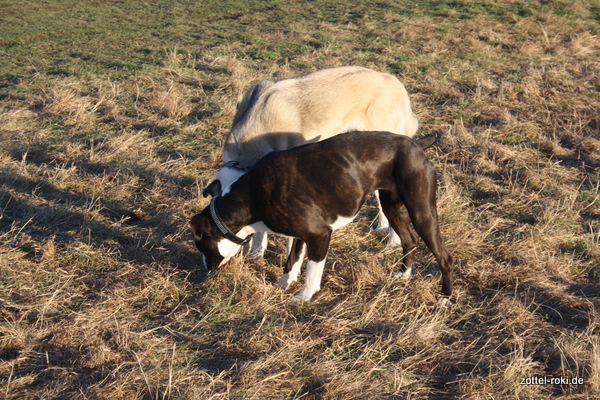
195 227
214 189
427 141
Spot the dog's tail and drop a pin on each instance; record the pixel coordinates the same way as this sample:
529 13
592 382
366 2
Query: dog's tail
428 141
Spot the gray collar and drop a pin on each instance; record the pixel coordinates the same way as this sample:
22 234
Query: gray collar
239 165
222 228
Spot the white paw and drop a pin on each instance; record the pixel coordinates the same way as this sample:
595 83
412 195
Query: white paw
445 302
285 281
299 299
256 254
302 297
258 246
402 275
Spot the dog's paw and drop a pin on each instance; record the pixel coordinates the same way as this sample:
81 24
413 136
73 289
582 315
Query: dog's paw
301 298
284 282
445 302
256 254
402 275
298 300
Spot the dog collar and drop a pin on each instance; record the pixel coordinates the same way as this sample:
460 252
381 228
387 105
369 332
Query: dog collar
222 228
239 165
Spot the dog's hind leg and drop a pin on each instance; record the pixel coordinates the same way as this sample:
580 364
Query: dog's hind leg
383 225
293 263
427 227
420 200
397 214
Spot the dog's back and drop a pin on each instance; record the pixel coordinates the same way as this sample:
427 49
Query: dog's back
341 170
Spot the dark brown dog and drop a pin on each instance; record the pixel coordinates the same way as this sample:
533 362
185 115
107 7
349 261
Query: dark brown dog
309 191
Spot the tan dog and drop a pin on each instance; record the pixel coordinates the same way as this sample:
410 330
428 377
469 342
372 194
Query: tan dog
291 112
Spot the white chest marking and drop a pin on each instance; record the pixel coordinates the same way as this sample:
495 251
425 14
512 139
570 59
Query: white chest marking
340 222
228 249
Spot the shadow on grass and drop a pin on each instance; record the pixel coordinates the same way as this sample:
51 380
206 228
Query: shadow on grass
40 210
33 212
555 309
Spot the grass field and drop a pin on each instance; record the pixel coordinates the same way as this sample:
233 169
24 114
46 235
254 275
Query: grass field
112 116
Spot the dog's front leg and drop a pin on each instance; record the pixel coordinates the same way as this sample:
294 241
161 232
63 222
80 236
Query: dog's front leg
316 249
296 253
259 245
312 283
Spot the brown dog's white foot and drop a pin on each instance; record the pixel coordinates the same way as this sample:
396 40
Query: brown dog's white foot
303 296
258 246
285 281
445 302
404 275
299 299
306 294
204 264
393 238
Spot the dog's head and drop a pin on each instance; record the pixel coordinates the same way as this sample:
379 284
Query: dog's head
225 176
216 250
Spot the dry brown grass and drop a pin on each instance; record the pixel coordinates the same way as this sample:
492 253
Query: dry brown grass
100 292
